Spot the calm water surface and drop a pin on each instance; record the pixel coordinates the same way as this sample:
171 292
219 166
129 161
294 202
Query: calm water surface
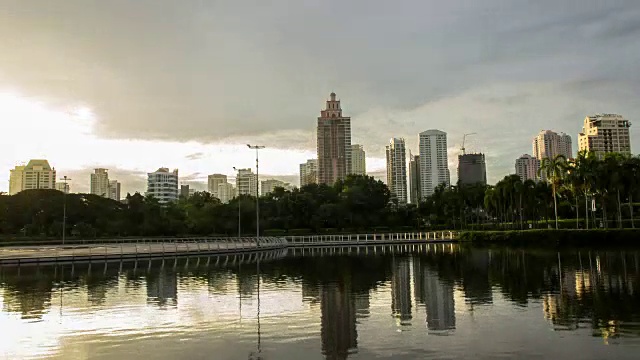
415 302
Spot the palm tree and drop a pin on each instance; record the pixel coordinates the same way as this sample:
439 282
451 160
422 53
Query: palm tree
553 169
631 179
583 169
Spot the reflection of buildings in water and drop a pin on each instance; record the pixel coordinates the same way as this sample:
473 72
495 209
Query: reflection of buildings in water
96 290
401 289
583 283
29 295
362 304
247 284
439 302
218 281
338 321
162 287
310 292
475 278
551 306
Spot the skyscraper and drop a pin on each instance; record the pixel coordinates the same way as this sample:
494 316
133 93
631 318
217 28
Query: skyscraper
114 190
309 172
397 170
213 181
246 183
333 143
358 160
434 165
414 178
549 144
472 169
527 167
37 174
100 183
163 185
605 133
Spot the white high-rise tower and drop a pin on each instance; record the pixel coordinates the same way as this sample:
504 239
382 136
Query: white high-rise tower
434 164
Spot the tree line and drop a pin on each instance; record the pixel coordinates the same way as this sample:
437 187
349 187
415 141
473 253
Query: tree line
566 198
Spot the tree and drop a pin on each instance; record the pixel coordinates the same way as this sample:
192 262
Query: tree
554 170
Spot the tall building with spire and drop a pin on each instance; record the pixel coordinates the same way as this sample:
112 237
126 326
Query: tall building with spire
333 143
397 170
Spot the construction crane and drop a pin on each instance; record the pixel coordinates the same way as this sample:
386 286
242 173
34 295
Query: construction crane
464 138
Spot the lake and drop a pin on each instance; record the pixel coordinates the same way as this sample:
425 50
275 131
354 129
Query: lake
435 301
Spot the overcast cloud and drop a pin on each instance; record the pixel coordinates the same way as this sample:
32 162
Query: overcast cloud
229 72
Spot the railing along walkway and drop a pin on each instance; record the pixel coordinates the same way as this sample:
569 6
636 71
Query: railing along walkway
383 238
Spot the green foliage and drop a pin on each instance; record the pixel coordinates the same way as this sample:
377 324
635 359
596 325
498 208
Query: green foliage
554 237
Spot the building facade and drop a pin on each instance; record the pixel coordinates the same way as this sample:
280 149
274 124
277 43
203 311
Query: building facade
213 181
267 186
333 143
226 192
309 172
358 160
247 183
163 185
64 187
549 144
114 190
397 169
37 174
414 178
527 167
100 183
605 133
434 163
472 169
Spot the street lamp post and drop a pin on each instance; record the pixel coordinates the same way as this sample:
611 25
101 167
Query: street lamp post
239 217
256 148
64 208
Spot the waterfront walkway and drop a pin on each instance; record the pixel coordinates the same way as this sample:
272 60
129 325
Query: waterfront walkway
111 249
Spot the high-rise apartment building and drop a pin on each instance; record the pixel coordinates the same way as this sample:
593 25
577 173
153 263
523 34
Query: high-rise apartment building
397 170
434 166
605 133
163 185
309 172
225 192
100 183
213 181
267 186
184 191
414 178
527 167
333 143
37 174
472 169
246 182
358 160
549 144
114 190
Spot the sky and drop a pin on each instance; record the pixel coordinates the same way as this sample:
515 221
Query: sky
136 85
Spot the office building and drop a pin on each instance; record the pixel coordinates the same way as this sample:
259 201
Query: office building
184 191
114 190
246 182
267 186
213 181
226 192
472 169
37 174
358 160
527 167
333 143
434 166
100 183
397 170
414 178
549 144
605 133
163 185
64 187
309 172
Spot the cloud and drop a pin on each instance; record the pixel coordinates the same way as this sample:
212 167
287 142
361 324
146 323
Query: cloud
221 74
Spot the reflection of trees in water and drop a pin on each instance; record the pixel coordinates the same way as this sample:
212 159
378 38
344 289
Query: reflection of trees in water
27 291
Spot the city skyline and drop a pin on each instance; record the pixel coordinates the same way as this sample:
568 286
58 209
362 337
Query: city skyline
183 103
